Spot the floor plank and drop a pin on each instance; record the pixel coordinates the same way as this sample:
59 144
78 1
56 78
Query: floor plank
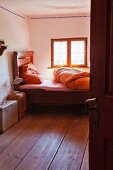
44 150
17 149
46 141
13 132
70 154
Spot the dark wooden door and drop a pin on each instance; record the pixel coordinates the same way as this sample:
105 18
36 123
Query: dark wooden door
101 134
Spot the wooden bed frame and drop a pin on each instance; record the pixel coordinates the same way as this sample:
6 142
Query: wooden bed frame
41 96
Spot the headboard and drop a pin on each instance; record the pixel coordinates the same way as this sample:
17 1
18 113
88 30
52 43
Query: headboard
19 59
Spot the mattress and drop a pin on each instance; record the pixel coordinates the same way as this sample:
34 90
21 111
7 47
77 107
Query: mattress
46 85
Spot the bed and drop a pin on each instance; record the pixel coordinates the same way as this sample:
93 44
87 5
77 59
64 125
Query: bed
48 92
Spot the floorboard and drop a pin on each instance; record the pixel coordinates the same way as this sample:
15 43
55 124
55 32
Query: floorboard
13 132
46 141
18 148
70 154
44 150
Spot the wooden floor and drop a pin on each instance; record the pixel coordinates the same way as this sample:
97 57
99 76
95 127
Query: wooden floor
46 141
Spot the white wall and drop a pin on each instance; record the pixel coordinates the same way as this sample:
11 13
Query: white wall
43 30
14 31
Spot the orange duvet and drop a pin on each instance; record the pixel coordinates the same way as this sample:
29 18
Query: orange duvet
71 78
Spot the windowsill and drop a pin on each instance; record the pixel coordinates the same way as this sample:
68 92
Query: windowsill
68 67
86 69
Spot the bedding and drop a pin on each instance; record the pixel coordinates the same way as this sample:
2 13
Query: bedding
72 78
57 73
80 83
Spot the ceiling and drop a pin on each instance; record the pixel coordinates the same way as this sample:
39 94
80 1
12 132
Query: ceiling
47 7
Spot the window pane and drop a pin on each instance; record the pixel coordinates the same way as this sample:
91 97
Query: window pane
60 53
77 52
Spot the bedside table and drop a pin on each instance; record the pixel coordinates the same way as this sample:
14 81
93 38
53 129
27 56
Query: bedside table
21 98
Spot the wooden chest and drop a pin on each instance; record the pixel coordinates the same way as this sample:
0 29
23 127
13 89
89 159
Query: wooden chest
21 99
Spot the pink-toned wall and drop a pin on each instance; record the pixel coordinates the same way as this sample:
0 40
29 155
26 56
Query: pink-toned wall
22 34
43 30
14 31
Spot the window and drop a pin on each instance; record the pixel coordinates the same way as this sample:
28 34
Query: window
69 52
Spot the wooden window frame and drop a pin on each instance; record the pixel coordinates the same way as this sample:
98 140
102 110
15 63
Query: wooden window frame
69 52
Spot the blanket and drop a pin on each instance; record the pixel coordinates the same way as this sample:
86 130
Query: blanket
72 78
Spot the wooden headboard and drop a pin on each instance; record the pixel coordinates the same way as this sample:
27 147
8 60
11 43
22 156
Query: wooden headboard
19 59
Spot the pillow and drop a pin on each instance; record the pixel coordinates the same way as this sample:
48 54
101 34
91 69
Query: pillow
30 74
31 78
28 68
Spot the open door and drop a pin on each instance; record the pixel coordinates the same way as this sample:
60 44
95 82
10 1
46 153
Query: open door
101 106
